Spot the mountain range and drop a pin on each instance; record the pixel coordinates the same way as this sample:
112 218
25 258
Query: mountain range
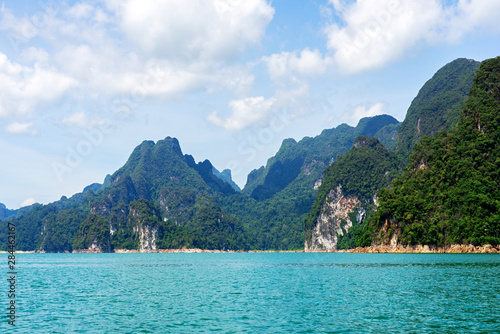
448 192
161 198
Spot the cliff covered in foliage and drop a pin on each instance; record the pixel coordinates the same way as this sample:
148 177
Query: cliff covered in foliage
437 106
449 192
347 196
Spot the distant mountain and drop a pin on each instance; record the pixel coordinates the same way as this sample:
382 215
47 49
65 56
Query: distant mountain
447 194
95 187
437 105
4 212
305 161
388 135
225 176
161 190
159 198
277 197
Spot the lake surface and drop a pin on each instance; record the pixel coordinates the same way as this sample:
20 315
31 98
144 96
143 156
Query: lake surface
257 293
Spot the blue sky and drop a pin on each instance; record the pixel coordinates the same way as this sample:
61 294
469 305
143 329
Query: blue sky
84 82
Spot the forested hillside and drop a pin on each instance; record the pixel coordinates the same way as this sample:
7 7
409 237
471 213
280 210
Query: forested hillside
449 192
361 174
437 106
162 198
277 197
347 198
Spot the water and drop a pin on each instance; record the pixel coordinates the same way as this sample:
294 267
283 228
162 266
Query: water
257 293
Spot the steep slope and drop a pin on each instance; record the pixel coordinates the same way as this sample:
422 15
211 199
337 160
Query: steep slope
308 158
437 106
449 193
276 199
225 176
177 197
159 199
5 213
388 135
348 194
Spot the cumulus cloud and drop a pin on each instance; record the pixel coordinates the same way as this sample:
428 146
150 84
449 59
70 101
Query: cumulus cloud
37 55
469 15
364 111
306 63
28 202
374 33
82 120
21 129
244 112
23 88
146 48
194 30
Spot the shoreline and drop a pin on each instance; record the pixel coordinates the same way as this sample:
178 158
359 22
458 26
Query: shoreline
185 250
379 249
416 249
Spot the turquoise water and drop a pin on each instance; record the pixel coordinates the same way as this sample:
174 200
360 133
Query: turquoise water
257 293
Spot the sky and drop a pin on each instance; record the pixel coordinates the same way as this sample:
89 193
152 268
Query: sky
82 83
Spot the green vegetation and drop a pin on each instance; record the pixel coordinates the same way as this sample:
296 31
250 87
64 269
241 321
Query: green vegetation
275 202
368 167
437 106
162 198
94 231
60 229
5 213
388 135
449 193
359 235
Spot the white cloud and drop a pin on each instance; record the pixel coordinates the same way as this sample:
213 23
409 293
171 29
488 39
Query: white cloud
22 88
475 14
21 129
20 30
28 202
363 111
374 33
305 63
245 112
81 10
81 120
194 30
37 55
177 48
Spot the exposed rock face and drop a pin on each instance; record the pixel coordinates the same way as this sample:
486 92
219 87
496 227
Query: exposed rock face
96 248
427 249
333 219
147 238
147 234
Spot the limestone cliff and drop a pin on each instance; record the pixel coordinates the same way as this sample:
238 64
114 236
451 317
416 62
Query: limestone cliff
147 237
346 196
335 219
145 230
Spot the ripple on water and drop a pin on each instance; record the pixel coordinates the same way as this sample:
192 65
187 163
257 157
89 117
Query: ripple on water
234 293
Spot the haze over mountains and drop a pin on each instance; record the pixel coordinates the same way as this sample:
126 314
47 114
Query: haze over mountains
161 198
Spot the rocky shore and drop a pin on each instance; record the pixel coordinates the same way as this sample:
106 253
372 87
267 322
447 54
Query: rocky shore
457 249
